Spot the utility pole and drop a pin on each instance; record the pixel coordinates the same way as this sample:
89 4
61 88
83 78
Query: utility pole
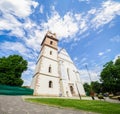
88 73
78 91
77 85
91 89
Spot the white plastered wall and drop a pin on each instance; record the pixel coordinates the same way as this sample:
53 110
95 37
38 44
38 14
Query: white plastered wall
43 88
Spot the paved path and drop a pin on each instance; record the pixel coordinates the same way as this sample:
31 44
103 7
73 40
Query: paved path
16 105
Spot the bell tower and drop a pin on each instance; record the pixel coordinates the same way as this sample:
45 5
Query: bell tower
46 78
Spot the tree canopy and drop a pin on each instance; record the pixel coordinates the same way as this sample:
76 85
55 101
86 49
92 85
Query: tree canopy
93 86
110 76
11 69
87 88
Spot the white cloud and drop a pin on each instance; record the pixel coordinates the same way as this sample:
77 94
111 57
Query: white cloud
115 39
9 22
105 52
20 8
67 26
92 11
41 9
14 46
83 60
26 29
108 50
84 1
35 39
63 27
100 53
88 76
110 9
116 57
111 24
11 12
99 31
75 59
82 22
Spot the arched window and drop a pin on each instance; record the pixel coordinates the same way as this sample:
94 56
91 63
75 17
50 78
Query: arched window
50 69
50 84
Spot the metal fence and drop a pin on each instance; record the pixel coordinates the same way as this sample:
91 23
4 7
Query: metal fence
12 90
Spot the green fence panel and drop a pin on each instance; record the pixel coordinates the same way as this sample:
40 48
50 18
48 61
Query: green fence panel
11 90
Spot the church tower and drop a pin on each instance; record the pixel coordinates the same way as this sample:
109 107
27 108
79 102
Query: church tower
55 72
46 79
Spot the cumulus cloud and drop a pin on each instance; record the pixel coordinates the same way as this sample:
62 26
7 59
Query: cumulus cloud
18 8
67 26
15 47
63 27
11 14
108 11
10 23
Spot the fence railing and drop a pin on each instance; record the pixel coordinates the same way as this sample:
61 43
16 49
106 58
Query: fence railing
12 90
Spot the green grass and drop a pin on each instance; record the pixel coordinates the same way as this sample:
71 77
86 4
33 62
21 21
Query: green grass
87 105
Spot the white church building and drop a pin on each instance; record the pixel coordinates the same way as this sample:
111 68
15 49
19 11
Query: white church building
55 72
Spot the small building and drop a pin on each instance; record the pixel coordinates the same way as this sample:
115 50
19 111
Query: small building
55 72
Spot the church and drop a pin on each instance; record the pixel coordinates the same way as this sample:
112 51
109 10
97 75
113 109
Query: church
55 73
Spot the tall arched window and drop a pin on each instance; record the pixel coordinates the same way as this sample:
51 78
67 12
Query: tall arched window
50 69
50 84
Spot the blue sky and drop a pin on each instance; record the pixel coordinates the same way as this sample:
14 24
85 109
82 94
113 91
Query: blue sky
88 29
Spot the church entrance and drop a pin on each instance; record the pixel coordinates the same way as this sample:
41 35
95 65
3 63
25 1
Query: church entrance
72 90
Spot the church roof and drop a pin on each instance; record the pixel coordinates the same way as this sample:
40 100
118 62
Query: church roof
64 55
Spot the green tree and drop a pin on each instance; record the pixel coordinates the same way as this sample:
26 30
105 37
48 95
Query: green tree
110 76
96 87
87 88
11 69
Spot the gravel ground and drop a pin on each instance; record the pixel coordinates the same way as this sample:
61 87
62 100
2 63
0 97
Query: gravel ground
16 105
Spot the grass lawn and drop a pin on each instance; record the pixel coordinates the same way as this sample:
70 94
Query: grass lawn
87 105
